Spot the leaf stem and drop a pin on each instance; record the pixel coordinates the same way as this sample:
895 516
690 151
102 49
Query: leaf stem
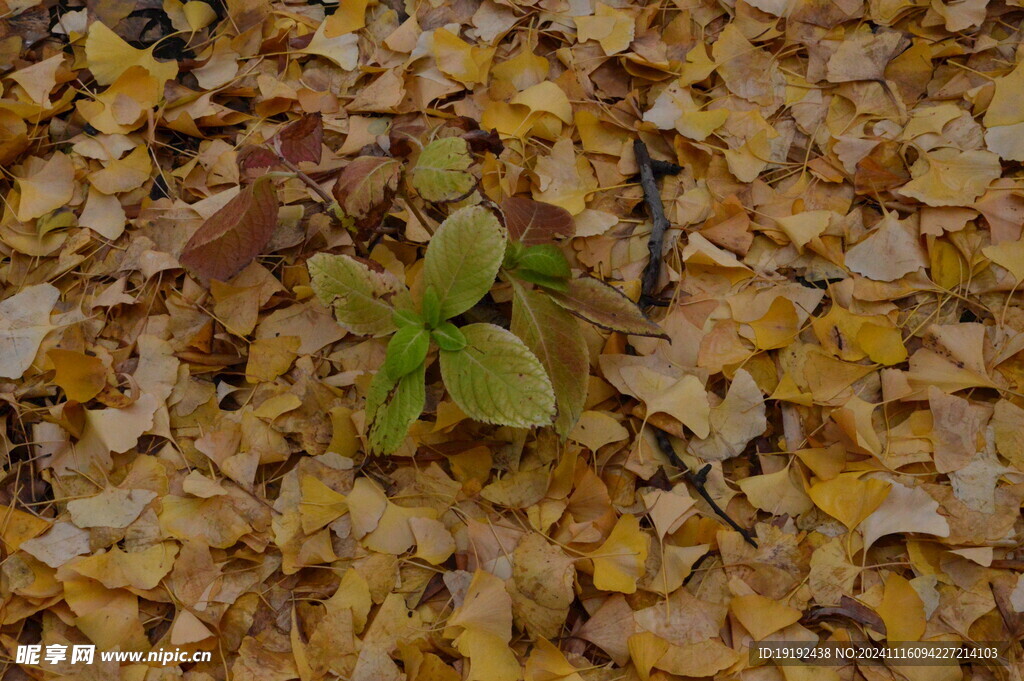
310 182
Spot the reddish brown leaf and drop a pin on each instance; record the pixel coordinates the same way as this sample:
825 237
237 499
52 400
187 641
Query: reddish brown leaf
605 306
296 142
402 134
366 188
483 140
253 161
535 222
233 236
302 140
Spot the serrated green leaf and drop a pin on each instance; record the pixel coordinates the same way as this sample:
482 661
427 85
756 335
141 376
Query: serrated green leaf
392 406
556 339
403 318
554 283
496 379
406 350
448 337
545 259
607 307
431 307
363 299
513 251
463 258
441 170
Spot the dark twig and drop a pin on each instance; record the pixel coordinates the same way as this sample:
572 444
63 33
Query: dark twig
699 481
663 168
649 172
649 182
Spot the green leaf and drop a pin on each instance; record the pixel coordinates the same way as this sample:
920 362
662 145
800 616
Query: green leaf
431 307
448 337
406 350
392 406
513 251
441 170
496 379
463 258
545 259
607 307
403 318
363 299
554 283
556 339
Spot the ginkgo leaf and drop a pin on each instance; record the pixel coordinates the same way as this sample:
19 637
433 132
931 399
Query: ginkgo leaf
762 616
619 561
902 610
233 236
612 28
848 498
47 188
888 253
442 172
905 509
320 505
342 49
547 662
24 323
776 493
482 628
109 56
363 299
113 507
735 422
496 379
463 259
79 375
462 61
949 177
684 399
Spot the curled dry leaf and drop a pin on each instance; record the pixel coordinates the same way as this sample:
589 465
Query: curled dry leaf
606 306
366 189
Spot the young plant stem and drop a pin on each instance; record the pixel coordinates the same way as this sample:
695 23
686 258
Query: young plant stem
699 481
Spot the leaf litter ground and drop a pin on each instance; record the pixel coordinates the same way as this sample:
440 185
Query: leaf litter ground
819 440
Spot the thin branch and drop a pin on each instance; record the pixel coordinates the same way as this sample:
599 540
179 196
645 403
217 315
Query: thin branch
649 182
310 182
699 481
